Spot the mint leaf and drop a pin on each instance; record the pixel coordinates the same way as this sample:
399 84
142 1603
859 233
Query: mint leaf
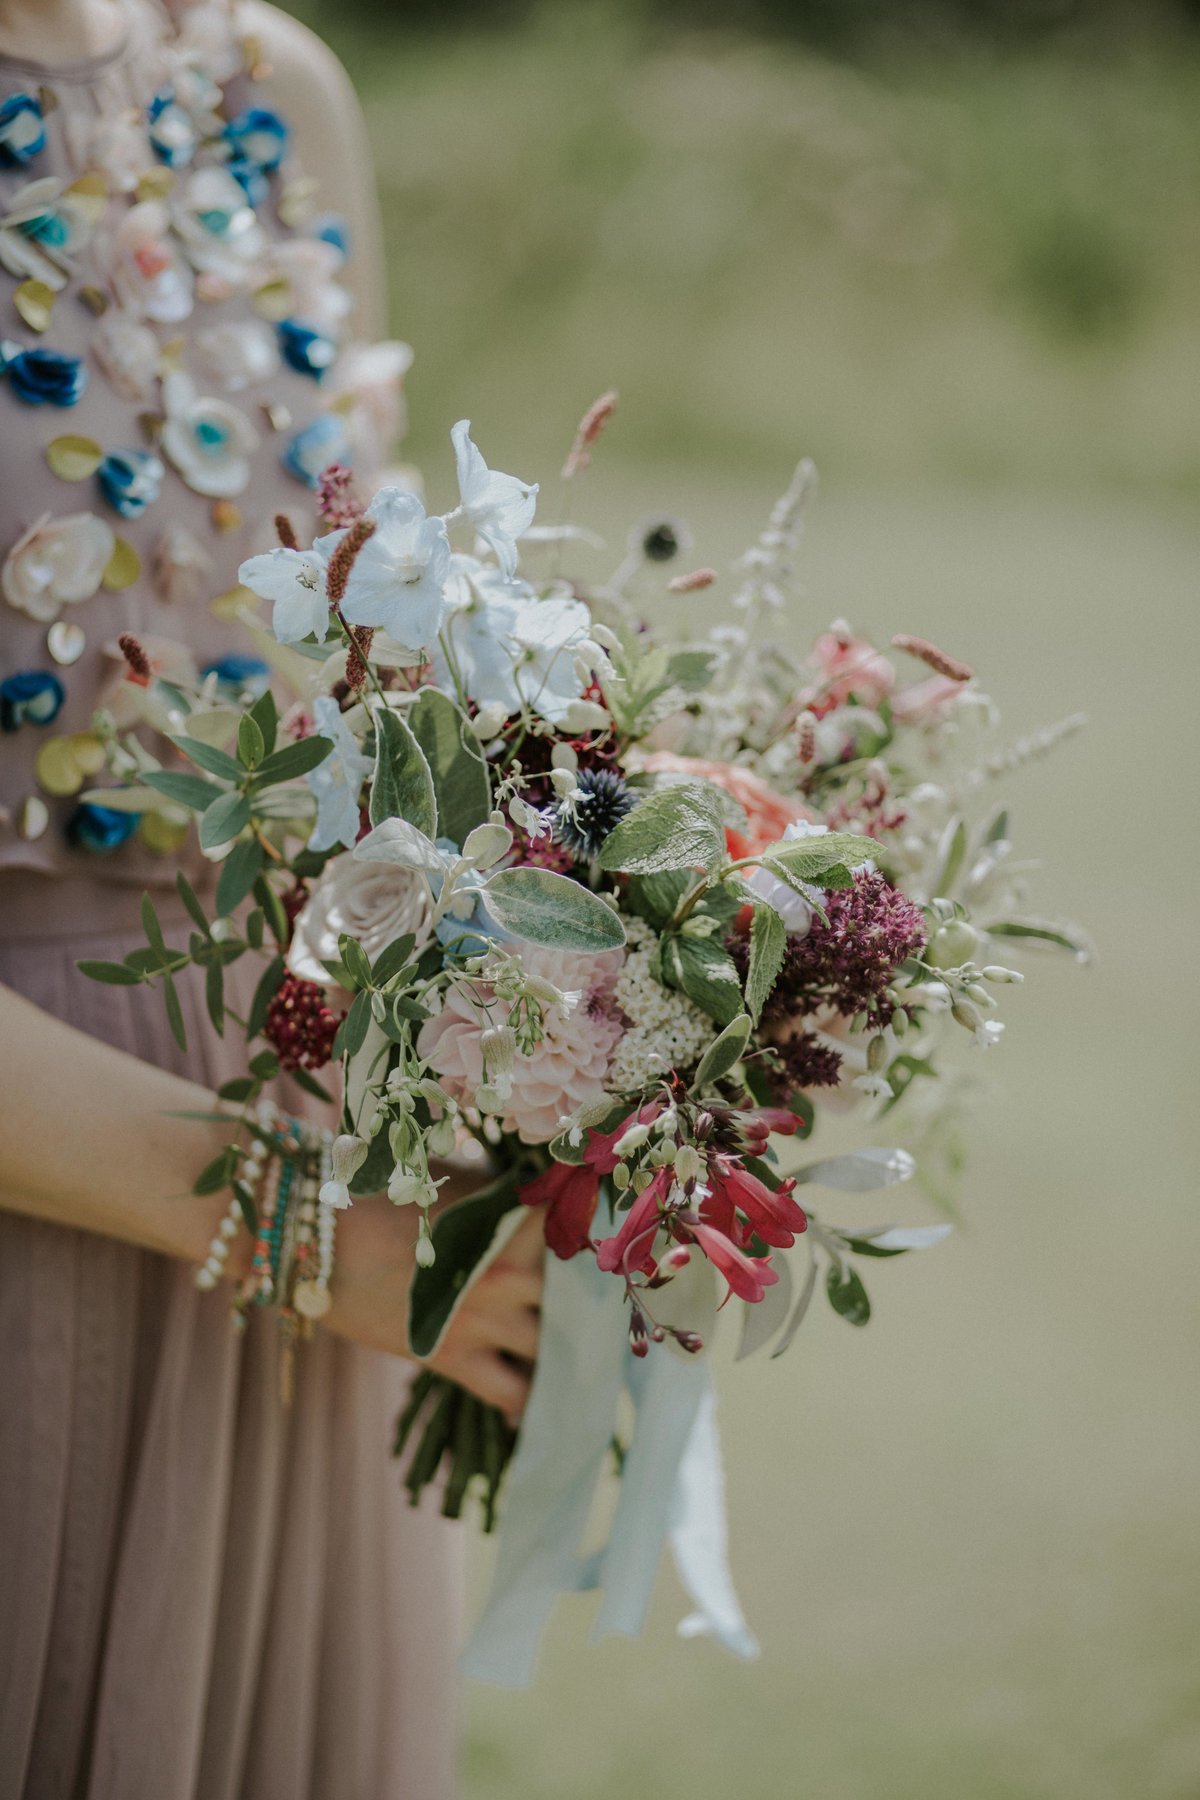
679 827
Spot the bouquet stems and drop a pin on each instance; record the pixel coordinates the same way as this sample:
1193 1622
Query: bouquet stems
460 1432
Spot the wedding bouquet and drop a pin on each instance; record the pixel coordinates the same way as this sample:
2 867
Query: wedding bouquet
613 906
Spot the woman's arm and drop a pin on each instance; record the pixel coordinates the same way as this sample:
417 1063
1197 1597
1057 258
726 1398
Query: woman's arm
86 1140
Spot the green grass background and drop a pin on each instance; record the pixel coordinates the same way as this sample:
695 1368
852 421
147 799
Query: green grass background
965 283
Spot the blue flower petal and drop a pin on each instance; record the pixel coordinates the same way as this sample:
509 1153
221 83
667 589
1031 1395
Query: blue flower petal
33 696
22 133
47 377
258 136
310 451
305 349
100 829
130 480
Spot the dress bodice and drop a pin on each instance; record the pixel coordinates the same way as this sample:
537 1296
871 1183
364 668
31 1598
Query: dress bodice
173 373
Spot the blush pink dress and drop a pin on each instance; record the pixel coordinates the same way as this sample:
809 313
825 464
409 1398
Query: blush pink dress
203 1596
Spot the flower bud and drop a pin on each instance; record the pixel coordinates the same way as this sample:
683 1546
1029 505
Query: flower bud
563 782
563 757
621 1176
488 1098
349 1155
488 720
979 994
967 1015
425 1253
995 973
899 1022
876 1054
605 637
631 1140
586 715
442 1137
674 1259
952 945
499 1046
687 1163
222 930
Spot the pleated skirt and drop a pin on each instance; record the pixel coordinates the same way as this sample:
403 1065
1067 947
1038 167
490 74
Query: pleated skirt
203 1595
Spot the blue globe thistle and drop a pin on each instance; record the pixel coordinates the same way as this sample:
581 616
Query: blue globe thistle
581 825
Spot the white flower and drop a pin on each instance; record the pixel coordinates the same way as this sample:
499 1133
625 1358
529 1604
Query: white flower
365 384
127 351
374 903
499 506
667 1030
986 1033
349 1155
295 581
209 441
237 354
297 283
399 574
218 229
149 275
513 650
43 231
56 563
337 782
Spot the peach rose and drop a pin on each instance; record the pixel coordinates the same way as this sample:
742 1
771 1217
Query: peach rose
768 813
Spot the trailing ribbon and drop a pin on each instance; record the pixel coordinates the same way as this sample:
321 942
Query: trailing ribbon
671 1485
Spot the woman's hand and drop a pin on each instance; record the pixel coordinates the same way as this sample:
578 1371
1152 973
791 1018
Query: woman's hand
492 1341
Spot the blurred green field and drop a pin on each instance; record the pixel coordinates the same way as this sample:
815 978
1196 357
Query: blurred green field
967 286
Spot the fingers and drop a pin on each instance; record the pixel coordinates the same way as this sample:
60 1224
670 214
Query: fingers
501 1286
486 1374
526 1248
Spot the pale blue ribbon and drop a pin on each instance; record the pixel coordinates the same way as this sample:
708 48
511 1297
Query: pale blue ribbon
671 1486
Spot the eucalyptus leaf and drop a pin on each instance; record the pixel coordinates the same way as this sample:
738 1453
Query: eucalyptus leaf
354 961
264 1066
174 1011
216 1174
250 746
456 764
859 1171
847 1295
768 941
293 760
265 714
188 895
897 1239
723 1052
225 818
239 872
679 827
264 993
762 1319
207 756
150 924
402 787
1063 937
185 790
214 996
391 960
310 1084
542 907
803 1302
114 973
952 847
242 1087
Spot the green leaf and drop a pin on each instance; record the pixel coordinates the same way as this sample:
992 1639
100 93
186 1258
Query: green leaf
462 1237
255 928
402 787
1066 937
216 1174
847 1295
723 1052
188 895
655 897
207 756
391 960
174 1011
292 760
810 857
354 961
352 1032
997 831
150 924
185 790
691 669
953 848
311 1085
706 973
264 993
768 941
115 973
245 1200
265 714
149 961
224 819
456 764
242 1087
214 996
250 746
264 1066
396 841
679 827
239 872
542 907
273 906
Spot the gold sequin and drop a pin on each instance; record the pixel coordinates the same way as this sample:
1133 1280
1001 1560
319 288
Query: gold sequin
95 299
74 458
277 415
64 763
90 193
33 817
164 832
233 602
47 99
124 567
156 184
34 300
226 516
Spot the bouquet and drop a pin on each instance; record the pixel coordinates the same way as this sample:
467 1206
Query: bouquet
614 908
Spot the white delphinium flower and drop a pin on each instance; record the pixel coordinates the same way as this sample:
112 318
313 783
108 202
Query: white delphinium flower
337 782
667 1030
295 581
499 506
512 650
399 576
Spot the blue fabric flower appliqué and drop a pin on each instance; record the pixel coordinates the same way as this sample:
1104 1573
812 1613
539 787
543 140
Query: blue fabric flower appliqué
258 137
238 675
305 349
100 829
130 480
172 134
43 377
35 695
323 442
22 133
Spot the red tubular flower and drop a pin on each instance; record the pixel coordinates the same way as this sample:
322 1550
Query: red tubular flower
568 1192
748 1276
773 1216
632 1247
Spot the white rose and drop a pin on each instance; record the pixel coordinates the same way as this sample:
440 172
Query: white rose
371 902
57 562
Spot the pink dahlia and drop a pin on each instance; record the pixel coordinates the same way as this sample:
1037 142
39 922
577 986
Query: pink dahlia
566 1070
